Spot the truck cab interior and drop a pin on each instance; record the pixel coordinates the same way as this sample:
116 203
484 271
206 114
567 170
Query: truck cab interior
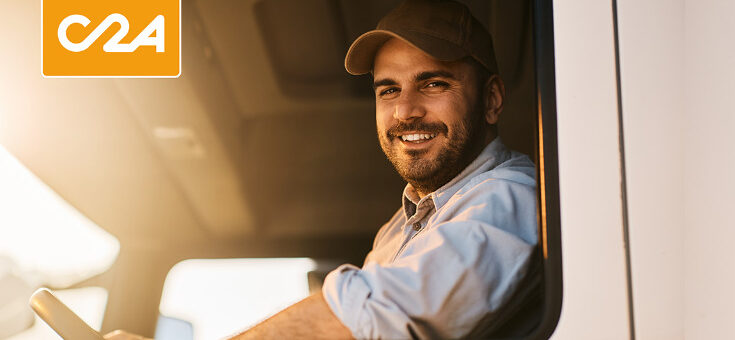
263 149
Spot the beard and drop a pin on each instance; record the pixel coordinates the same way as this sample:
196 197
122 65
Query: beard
426 173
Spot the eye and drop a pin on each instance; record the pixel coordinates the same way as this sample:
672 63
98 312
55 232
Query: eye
437 83
388 91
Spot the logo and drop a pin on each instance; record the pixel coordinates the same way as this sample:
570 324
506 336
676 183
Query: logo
93 38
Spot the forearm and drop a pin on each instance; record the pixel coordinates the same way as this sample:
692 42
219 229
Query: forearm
310 318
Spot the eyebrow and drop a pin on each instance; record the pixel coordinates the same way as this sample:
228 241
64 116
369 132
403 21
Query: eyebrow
434 74
419 77
384 82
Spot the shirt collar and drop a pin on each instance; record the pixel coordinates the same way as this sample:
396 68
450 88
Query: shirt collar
492 155
411 200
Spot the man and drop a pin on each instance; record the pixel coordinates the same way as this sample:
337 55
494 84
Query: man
449 263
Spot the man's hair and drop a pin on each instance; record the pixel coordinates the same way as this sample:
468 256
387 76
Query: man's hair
481 72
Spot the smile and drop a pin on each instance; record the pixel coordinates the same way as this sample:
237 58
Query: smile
417 137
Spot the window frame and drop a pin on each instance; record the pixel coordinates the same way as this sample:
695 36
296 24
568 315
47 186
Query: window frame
547 171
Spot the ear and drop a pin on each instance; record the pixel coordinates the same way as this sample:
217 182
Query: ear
494 92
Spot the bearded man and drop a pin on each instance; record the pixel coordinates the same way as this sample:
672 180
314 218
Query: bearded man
454 261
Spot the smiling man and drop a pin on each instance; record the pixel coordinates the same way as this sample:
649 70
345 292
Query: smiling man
457 259
432 117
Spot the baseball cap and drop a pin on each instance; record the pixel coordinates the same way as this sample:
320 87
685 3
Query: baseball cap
443 29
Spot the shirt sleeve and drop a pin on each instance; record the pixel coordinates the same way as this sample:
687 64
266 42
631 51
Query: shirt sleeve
441 285
446 282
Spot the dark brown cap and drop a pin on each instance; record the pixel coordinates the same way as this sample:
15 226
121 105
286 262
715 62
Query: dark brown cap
443 29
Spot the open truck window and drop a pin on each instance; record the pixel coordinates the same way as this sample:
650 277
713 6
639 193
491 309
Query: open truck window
335 192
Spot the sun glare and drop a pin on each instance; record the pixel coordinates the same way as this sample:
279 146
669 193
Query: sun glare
44 235
222 297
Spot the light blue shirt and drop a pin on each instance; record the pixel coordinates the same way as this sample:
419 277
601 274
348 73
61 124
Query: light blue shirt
448 260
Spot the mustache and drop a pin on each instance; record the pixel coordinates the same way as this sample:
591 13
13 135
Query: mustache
401 127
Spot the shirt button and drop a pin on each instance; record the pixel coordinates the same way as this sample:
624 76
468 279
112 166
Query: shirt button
417 226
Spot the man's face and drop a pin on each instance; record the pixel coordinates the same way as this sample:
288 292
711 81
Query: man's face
429 114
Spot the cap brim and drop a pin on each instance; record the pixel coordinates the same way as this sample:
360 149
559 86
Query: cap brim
360 56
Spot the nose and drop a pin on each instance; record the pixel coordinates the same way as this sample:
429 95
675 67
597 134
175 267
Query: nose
409 106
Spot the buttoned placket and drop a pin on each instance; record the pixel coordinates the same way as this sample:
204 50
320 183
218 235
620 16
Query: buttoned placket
415 223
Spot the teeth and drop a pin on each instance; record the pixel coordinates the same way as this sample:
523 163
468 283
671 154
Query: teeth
417 136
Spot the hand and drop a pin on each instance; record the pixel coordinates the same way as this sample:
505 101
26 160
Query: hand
122 335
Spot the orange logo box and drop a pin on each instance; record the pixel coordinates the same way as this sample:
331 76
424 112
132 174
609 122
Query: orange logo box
112 38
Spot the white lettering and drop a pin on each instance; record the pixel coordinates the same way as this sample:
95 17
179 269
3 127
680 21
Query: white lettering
113 45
